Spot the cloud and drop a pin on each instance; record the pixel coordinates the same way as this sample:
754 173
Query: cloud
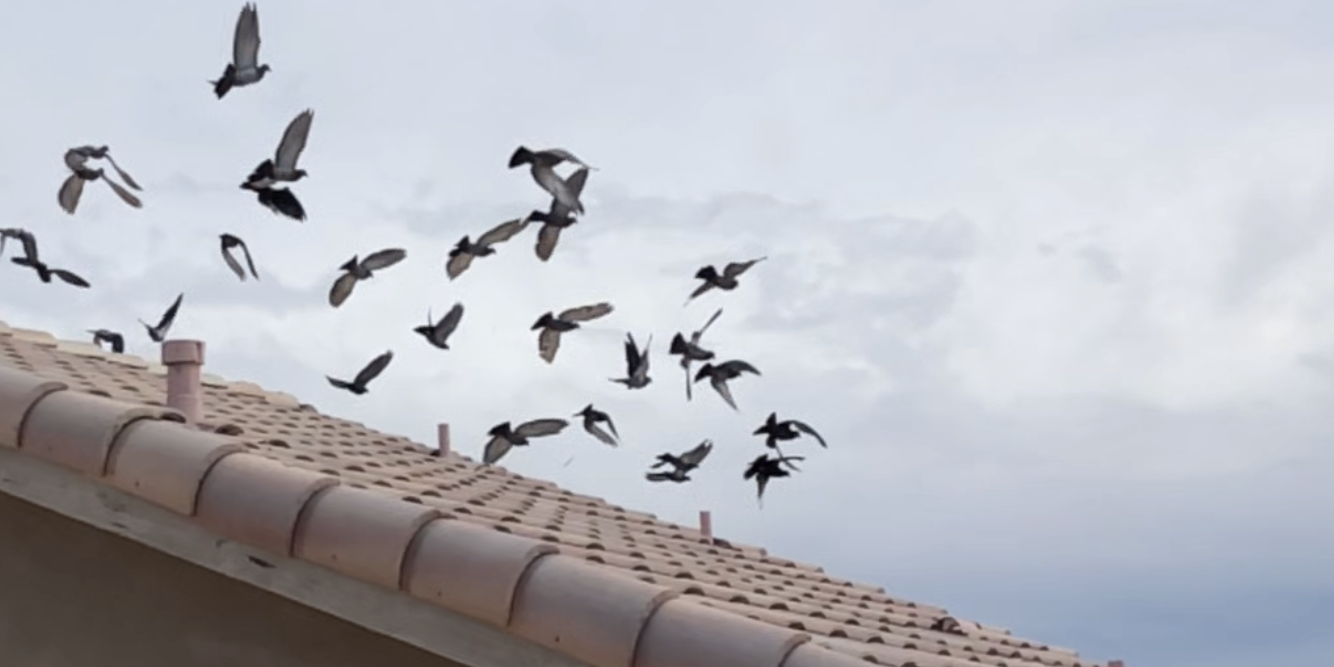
1052 279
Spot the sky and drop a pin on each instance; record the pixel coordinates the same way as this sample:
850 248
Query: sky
1052 278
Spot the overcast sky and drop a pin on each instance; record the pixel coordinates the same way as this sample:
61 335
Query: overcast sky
1053 278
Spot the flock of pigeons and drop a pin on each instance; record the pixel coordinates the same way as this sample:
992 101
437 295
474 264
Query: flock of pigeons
564 211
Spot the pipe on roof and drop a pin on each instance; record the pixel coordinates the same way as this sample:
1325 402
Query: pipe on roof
184 360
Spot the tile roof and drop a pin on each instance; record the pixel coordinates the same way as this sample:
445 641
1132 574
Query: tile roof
603 584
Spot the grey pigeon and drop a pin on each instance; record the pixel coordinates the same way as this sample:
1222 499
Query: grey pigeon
244 69
355 271
503 437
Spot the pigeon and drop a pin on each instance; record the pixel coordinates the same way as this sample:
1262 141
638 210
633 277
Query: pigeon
244 69
542 165
71 191
32 260
781 431
364 376
691 351
681 465
764 468
557 216
229 242
719 375
727 281
636 364
592 417
438 333
548 342
503 437
282 166
159 333
281 201
355 271
948 625
460 258
112 338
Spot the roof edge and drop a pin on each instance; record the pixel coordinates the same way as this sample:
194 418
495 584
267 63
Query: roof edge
427 626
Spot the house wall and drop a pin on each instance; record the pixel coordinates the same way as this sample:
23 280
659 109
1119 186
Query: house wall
72 595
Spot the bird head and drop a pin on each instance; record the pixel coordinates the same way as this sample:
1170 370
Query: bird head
264 69
424 330
584 413
299 174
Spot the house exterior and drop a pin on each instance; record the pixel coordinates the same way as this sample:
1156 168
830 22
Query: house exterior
241 527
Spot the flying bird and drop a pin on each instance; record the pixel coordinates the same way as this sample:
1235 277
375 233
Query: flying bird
691 351
503 437
109 337
438 333
948 625
557 217
460 258
726 281
542 166
719 375
764 468
552 326
593 417
244 69
636 364
32 260
364 376
282 168
228 243
76 159
355 271
159 333
775 431
681 465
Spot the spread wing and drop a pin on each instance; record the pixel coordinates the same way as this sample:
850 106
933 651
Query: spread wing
458 264
125 195
248 261
720 386
547 238
232 264
69 277
70 193
540 427
735 269
374 369
548 344
738 366
575 183
503 232
342 289
586 313
245 43
283 202
631 355
659 476
122 174
611 425
496 449
558 155
806 428
689 391
451 320
694 338
170 316
383 259
294 141
643 357
697 455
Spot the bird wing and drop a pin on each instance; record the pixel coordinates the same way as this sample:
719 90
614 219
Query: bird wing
643 364
496 449
700 290
540 427
611 425
586 313
548 344
502 232
29 242
689 397
458 264
450 321
117 342
737 366
170 316
697 455
341 384
720 386
806 428
574 185
659 476
70 193
754 468
556 186
245 43
124 176
547 238
283 202
597 432
69 277
576 180
125 195
248 261
383 259
232 264
734 269
374 369
294 140
694 338
631 355
558 155
342 289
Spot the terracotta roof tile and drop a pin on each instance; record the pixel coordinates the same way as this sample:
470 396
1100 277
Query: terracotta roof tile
607 585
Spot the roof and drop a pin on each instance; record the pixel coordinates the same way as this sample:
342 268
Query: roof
606 585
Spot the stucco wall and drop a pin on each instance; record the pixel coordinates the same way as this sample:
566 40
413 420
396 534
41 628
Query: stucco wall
75 596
